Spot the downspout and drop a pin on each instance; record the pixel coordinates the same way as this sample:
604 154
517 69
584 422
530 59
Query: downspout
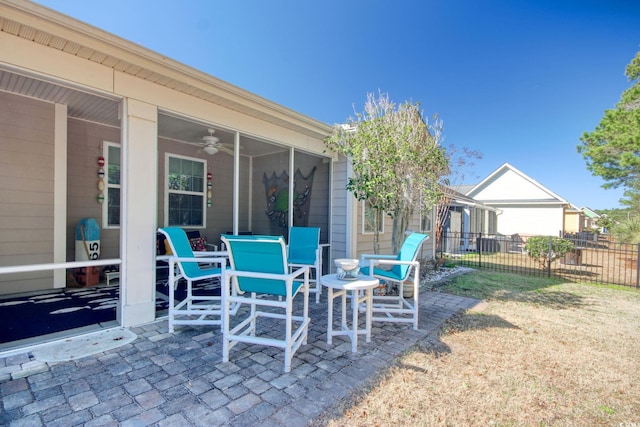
351 232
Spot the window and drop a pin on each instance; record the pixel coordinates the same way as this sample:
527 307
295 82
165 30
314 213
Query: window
111 205
185 191
369 215
425 221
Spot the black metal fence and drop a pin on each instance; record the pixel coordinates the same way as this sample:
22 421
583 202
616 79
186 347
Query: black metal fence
595 258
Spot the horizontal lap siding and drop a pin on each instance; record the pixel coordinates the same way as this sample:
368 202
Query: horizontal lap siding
26 190
84 146
541 220
339 210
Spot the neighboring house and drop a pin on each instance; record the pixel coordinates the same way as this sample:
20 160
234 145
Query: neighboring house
573 219
590 218
466 218
523 205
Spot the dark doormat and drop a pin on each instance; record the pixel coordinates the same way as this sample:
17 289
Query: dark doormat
48 312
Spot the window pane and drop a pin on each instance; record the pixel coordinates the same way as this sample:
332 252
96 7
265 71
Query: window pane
370 215
113 167
197 184
185 210
186 167
113 208
177 182
186 176
425 224
198 168
174 165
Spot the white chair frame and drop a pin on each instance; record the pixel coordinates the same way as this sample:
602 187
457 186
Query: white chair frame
395 308
245 331
195 309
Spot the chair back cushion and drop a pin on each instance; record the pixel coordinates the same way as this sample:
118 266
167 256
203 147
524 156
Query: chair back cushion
303 245
408 252
181 248
258 254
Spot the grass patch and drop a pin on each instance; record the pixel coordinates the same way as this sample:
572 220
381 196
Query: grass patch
542 353
489 285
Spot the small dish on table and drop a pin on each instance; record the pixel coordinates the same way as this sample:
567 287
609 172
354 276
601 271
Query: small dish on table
347 268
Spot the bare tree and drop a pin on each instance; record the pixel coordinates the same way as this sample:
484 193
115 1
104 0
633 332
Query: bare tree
397 160
460 161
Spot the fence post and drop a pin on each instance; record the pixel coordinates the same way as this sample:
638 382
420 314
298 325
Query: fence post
479 243
549 257
638 267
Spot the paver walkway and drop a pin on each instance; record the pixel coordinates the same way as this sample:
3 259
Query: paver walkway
179 380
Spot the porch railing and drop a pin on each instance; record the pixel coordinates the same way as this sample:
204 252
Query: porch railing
57 266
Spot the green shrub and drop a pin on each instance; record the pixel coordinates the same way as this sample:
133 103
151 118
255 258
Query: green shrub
546 249
628 230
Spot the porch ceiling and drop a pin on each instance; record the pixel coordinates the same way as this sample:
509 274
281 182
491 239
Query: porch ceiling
80 105
104 110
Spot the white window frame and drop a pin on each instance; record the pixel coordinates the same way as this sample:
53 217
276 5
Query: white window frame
365 204
167 191
107 185
429 218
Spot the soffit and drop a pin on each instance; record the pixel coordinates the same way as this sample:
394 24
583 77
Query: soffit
80 104
46 27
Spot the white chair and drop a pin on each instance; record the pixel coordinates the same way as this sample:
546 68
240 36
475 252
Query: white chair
396 308
194 309
304 250
258 274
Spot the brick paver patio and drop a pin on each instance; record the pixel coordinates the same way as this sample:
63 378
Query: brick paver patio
178 379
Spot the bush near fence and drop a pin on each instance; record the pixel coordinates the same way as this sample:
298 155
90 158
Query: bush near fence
595 258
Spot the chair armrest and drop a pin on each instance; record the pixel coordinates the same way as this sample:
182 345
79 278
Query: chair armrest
209 259
375 261
275 276
377 256
393 262
365 257
199 254
213 247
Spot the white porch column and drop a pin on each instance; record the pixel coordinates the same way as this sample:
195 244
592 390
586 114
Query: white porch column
60 192
466 224
138 212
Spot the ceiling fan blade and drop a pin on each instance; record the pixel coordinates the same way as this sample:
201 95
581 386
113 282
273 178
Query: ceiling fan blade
225 149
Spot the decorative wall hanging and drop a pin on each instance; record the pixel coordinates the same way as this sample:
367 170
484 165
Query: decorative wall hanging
277 194
209 187
100 179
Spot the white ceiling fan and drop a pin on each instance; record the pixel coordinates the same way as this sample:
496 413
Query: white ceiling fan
211 143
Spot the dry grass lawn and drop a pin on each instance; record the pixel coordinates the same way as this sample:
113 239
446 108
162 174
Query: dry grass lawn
540 353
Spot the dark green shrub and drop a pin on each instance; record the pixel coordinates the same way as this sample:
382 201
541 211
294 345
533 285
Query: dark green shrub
546 249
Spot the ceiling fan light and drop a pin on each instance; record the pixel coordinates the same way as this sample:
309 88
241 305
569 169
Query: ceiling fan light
210 149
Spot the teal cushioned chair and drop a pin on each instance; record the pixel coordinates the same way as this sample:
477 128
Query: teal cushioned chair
194 309
259 277
396 308
304 249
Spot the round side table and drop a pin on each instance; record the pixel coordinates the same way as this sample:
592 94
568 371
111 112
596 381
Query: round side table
339 288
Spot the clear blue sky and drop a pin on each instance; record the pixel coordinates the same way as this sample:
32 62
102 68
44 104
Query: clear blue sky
517 80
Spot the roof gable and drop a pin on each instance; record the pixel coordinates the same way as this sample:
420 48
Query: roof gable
509 185
590 212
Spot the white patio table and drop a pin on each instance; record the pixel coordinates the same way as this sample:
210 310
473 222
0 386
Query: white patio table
340 287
